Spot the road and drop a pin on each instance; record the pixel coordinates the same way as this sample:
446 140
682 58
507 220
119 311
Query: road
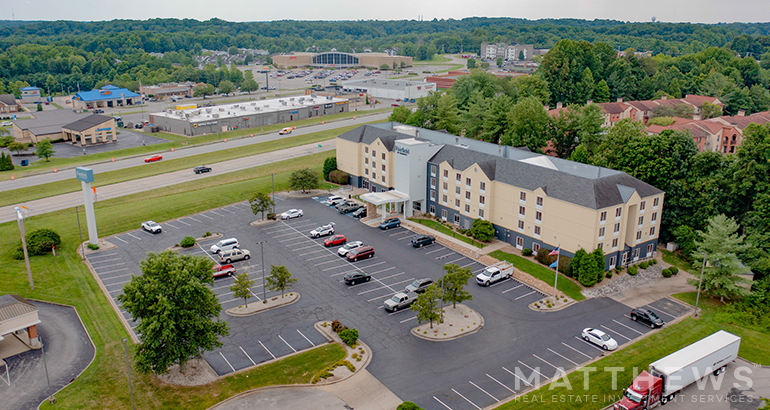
45 178
72 199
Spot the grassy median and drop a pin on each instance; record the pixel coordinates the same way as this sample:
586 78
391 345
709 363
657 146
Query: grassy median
540 272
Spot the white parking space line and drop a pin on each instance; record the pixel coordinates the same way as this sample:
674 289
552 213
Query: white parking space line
465 266
382 297
399 311
577 349
406 320
115 277
590 344
456 260
386 286
300 225
102 255
168 224
228 362
109 266
545 361
135 237
617 333
324 263
310 253
183 222
286 234
384 270
104 261
400 232
146 233
226 210
254 294
405 237
659 310
247 355
525 365
369 266
263 346
506 280
116 290
466 399
287 344
196 220
513 288
445 256
442 403
271 232
525 295
342 273
306 338
392 276
487 393
557 354
627 327
205 216
319 257
118 238
498 382
437 250
293 239
305 247
216 213
110 271
479 270
334 267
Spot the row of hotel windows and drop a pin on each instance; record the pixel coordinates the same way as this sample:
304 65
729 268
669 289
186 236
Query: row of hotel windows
374 174
616 231
457 215
619 210
374 153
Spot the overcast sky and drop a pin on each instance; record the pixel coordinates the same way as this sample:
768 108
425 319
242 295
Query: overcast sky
701 11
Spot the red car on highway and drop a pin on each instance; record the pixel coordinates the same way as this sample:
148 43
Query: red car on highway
153 158
223 270
335 240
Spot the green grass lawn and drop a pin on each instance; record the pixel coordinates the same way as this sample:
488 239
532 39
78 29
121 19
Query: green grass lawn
436 59
754 347
65 279
540 272
676 259
448 231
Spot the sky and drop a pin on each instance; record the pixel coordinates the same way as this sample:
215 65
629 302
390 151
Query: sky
697 11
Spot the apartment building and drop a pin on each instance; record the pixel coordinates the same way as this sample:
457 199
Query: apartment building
509 52
720 134
532 200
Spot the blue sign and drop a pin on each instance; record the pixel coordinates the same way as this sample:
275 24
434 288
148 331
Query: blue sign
103 129
84 174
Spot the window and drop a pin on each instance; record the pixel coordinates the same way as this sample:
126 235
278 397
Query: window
467 209
433 170
482 186
374 175
481 213
641 220
383 168
618 212
443 214
617 228
603 216
601 246
374 154
538 216
366 150
642 205
443 199
521 211
535 247
383 179
366 171
383 156
615 244
519 242
654 218
366 160
523 196
467 195
636 253
649 250
537 231
433 210
458 177
539 201
457 219
521 225
612 262
652 231
457 190
445 186
457 203
482 200
655 203
467 182
601 233
446 173
638 235
433 182
432 195
365 185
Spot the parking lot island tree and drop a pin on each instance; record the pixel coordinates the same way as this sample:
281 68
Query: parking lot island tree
453 284
427 306
17 147
304 180
177 310
279 279
261 202
242 287
45 149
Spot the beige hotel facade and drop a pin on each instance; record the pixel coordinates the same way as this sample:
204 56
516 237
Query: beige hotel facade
533 200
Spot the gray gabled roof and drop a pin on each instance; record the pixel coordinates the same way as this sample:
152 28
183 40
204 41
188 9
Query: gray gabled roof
47 122
13 306
87 122
8 99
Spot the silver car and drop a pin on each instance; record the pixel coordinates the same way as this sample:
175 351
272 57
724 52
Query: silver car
343 251
225 245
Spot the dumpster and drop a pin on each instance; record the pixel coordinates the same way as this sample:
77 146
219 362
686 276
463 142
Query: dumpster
24 162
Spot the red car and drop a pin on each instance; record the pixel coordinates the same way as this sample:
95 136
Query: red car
335 240
223 270
153 158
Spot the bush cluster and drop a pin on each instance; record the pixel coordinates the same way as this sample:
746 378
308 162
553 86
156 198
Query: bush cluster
338 177
92 246
39 242
6 163
187 242
526 252
633 270
643 265
349 336
666 273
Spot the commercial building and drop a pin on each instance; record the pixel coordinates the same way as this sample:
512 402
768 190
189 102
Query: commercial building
532 200
393 89
19 319
8 104
65 125
337 59
168 89
193 120
30 95
107 96
509 52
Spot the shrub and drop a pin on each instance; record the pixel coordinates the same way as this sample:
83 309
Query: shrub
338 177
542 256
618 269
461 231
187 242
666 273
608 275
92 246
565 266
207 234
39 242
674 270
349 336
336 326
526 252
633 270
271 216
483 230
643 265
653 261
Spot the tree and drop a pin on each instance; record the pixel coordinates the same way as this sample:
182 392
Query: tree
499 61
45 149
233 50
17 147
721 245
598 255
528 124
249 85
580 154
6 163
427 306
279 279
453 284
495 119
709 110
471 63
203 90
330 164
483 230
384 67
242 287
400 114
586 87
226 87
39 106
532 86
521 55
261 202
304 179
602 92
177 310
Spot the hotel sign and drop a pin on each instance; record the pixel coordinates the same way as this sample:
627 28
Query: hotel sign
84 174
401 150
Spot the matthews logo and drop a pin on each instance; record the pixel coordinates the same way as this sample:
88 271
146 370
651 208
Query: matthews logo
402 150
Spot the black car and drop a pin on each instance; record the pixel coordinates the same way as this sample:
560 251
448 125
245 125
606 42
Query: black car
419 285
422 240
360 213
646 317
346 209
201 168
351 278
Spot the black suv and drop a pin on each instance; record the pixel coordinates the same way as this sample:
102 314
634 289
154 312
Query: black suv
419 285
201 168
348 208
647 317
422 240
360 213
351 278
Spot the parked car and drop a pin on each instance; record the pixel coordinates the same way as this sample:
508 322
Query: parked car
419 285
333 200
152 227
343 203
138 126
223 270
400 301
423 240
343 251
225 245
285 131
599 338
348 208
362 252
492 274
390 223
6 124
153 158
322 231
351 278
292 213
360 213
335 240
98 111
646 317
234 255
202 168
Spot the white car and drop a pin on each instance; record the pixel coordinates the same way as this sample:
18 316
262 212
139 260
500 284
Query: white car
322 231
343 251
6 124
152 227
599 338
333 200
225 245
292 213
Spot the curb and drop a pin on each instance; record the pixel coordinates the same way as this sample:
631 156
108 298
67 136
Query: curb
291 302
476 329
572 302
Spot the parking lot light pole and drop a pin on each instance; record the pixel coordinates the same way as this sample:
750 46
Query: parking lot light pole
51 399
128 368
272 178
700 282
262 254
22 231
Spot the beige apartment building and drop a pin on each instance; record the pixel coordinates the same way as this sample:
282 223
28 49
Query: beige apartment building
532 200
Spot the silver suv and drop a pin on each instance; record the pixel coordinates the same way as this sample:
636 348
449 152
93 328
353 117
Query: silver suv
225 245
234 255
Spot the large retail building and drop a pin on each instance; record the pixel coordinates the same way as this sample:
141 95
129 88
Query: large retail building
336 59
393 89
533 200
194 120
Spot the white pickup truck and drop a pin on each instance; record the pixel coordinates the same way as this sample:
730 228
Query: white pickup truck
400 300
494 273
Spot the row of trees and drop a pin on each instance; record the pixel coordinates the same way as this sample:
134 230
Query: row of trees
450 288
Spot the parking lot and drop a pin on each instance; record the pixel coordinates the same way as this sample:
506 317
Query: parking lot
468 373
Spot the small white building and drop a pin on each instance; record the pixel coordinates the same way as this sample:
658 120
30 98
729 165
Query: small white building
391 89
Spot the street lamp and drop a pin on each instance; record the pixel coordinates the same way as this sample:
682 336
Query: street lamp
697 298
20 221
262 254
128 368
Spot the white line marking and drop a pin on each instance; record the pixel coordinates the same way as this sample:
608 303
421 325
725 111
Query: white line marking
135 237
324 263
437 250
383 270
386 286
557 354
286 234
525 365
627 327
310 253
442 403
474 404
475 385
206 216
195 220
215 213
498 382
287 344
506 280
105 261
115 277
102 255
406 320
118 239
525 295
617 333
168 224
228 362
661 311
319 257
226 210
263 346
342 273
380 297
391 276
183 222
112 271
108 266
515 287
146 233
577 350
406 237
590 344
247 355
545 361
444 256
306 338
400 233
334 267
456 260
465 266
293 239
374 264
305 247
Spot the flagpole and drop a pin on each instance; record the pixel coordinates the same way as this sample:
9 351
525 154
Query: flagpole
556 279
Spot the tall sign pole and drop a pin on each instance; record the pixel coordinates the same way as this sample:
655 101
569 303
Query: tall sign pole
86 177
20 220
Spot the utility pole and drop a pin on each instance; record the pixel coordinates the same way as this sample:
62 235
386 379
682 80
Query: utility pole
128 368
272 178
697 298
262 253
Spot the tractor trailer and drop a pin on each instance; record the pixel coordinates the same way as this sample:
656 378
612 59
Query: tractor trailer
668 376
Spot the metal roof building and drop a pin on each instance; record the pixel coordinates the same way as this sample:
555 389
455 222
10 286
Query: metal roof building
107 96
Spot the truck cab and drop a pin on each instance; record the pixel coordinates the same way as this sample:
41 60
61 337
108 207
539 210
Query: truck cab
645 392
